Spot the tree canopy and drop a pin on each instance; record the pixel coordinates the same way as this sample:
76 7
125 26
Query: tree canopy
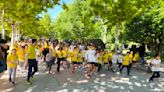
110 20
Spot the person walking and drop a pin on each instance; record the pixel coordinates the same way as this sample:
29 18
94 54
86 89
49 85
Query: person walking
32 63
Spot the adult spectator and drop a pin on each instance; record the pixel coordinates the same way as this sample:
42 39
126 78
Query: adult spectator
3 55
142 52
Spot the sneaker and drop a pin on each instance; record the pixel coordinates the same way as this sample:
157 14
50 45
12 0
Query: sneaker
151 80
13 83
31 79
29 83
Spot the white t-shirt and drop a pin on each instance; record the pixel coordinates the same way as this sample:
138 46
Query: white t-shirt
81 47
120 57
114 58
91 57
49 57
155 62
84 54
72 47
96 56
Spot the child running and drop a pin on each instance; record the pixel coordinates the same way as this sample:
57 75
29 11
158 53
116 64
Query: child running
49 60
59 58
74 58
91 53
21 57
80 58
125 63
12 61
155 63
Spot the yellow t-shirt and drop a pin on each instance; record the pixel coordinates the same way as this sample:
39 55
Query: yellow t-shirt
21 55
69 54
74 56
80 57
26 50
130 57
136 57
54 53
12 61
46 46
59 54
31 52
106 58
64 53
110 54
100 58
126 60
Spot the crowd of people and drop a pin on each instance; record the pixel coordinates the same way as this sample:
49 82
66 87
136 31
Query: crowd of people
27 54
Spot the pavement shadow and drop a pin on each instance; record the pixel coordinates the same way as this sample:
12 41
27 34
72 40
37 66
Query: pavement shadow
65 81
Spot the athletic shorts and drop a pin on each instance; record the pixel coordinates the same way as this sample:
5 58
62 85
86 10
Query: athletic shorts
134 61
79 63
64 59
106 63
74 62
96 64
110 62
91 62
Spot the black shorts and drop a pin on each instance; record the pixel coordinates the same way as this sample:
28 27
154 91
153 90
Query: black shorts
106 63
134 61
110 62
91 62
79 63
96 64
64 59
45 51
74 62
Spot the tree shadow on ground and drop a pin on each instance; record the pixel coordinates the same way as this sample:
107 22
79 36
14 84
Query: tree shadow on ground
65 81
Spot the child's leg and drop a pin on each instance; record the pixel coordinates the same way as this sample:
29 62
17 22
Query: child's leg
58 65
14 74
50 66
46 66
74 67
121 68
128 69
99 67
10 73
152 77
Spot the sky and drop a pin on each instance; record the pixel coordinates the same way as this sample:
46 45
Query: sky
55 11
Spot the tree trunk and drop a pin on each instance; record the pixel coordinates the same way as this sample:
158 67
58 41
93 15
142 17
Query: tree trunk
13 34
3 27
159 45
117 36
105 34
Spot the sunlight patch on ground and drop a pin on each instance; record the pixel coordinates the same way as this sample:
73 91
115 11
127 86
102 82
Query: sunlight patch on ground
137 84
63 90
30 89
102 75
82 81
158 90
8 90
122 80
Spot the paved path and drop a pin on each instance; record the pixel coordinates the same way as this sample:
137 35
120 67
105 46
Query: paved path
67 82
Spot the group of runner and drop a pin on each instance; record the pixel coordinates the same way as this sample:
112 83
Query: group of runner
27 54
